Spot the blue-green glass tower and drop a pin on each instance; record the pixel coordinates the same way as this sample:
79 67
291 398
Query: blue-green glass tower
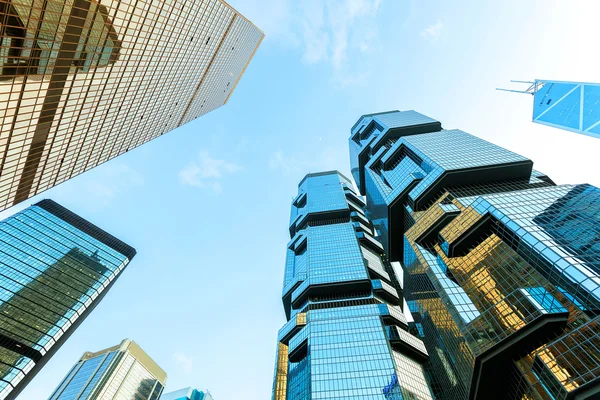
501 266
187 394
54 269
346 336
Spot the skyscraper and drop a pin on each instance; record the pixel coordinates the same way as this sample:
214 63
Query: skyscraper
123 371
501 266
572 106
54 269
346 335
187 394
82 82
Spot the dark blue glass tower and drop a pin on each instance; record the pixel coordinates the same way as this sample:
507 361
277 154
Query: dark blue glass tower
54 269
346 335
501 266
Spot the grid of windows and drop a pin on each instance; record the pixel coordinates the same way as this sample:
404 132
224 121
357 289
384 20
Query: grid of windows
51 274
337 342
83 82
374 131
122 372
573 106
507 285
502 272
83 378
186 394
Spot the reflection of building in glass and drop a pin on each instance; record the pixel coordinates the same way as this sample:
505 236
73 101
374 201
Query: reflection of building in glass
83 82
573 106
58 38
123 372
501 266
346 335
187 394
573 221
54 268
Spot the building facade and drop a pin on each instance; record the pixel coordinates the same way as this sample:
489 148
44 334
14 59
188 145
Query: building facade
82 82
55 267
346 336
123 371
187 394
501 266
572 106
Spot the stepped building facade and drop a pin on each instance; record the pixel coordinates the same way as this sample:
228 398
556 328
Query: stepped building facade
346 335
501 265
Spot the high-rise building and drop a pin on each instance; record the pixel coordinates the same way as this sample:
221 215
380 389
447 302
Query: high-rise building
55 267
501 266
82 82
123 371
572 106
346 336
187 394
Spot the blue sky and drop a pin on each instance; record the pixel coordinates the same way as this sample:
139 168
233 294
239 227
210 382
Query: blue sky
207 205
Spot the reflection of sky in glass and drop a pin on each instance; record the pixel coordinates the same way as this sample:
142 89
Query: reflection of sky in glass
336 344
372 132
50 273
568 105
453 293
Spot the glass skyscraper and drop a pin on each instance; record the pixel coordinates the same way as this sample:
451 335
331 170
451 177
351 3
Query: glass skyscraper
572 106
123 372
346 336
54 269
187 394
83 81
501 266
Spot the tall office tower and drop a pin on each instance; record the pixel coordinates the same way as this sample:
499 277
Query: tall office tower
187 394
501 266
123 371
346 335
572 106
55 267
82 82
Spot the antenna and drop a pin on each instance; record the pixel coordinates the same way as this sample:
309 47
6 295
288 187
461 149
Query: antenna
534 86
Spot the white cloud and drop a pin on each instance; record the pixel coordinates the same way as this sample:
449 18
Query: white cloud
433 32
329 27
186 363
206 172
336 32
314 31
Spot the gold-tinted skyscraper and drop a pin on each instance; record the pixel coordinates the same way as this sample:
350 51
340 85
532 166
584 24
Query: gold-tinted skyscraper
83 81
124 371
